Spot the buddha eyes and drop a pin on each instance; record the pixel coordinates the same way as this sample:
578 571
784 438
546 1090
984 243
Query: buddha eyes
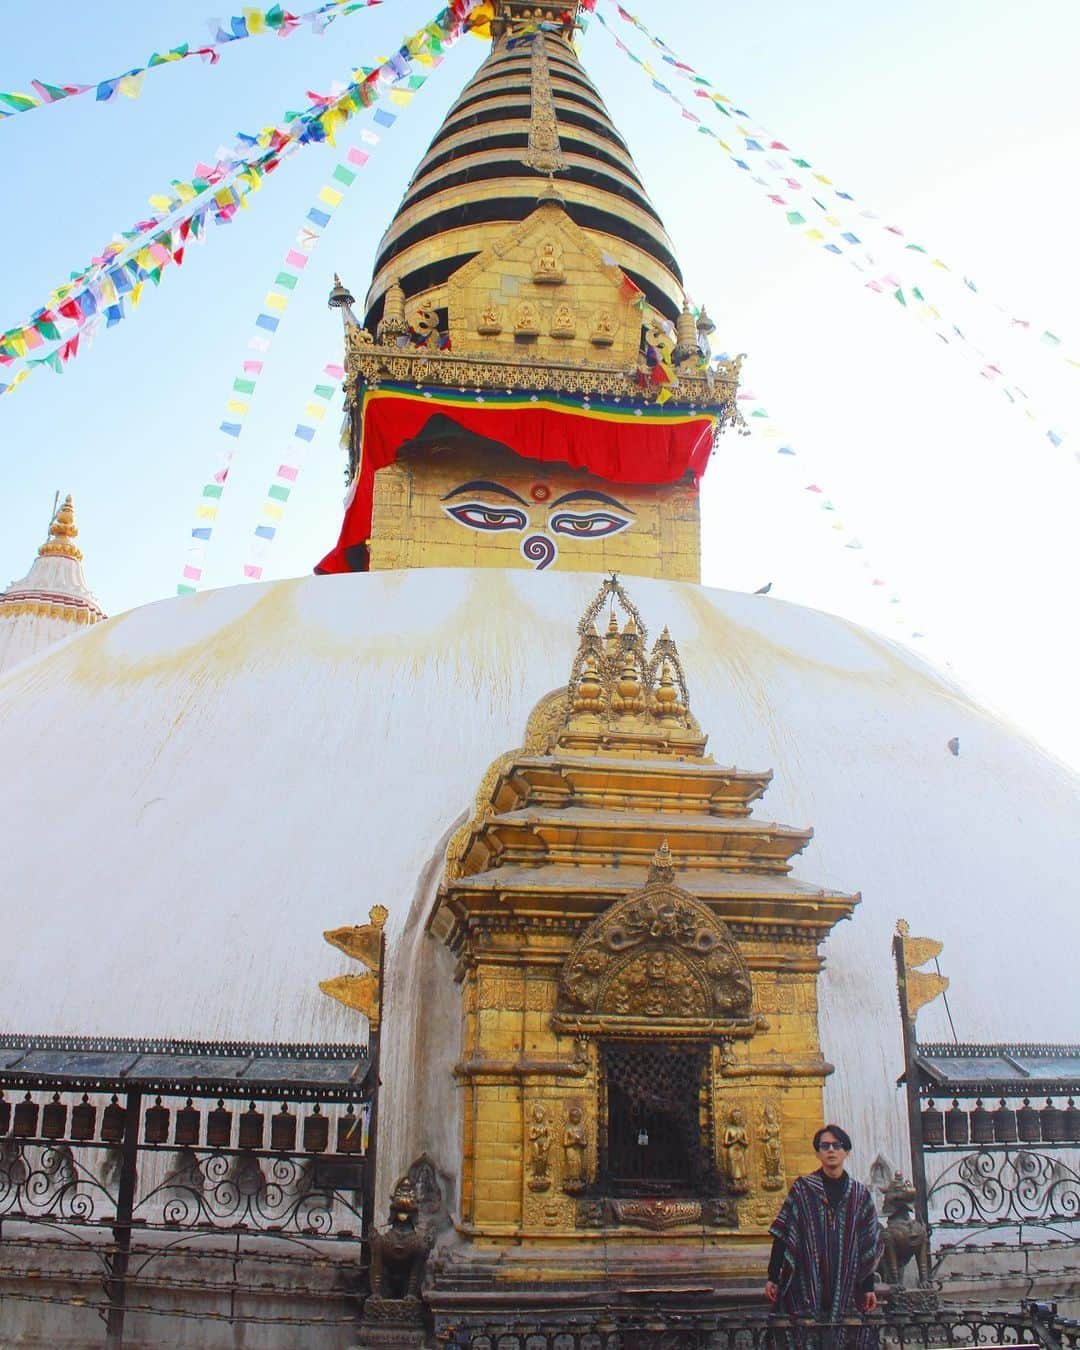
594 525
577 525
480 517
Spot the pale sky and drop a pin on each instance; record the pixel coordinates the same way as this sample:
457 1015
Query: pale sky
958 123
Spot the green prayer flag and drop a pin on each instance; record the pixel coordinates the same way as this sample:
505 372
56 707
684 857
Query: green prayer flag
324 391
286 279
918 294
185 590
47 329
344 175
802 163
796 218
244 386
212 490
899 295
280 493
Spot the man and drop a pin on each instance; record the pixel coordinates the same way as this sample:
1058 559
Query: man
826 1242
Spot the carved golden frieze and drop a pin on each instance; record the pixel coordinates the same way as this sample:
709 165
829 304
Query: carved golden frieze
658 958
544 153
373 365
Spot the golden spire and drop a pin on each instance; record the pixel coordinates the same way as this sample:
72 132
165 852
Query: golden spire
62 532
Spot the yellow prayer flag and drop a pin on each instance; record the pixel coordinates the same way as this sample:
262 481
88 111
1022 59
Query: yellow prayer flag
207 512
255 20
161 203
822 179
238 406
316 411
815 236
833 221
185 192
724 145
272 511
136 293
19 378
330 196
131 85
938 263
401 97
275 301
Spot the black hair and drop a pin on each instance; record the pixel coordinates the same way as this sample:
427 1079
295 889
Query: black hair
842 1137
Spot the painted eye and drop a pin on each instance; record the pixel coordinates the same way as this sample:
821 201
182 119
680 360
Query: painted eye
594 525
480 517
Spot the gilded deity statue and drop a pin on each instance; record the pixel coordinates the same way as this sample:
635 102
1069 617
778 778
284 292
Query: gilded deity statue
527 322
736 1145
575 1145
772 1158
563 323
603 328
490 319
547 265
539 1149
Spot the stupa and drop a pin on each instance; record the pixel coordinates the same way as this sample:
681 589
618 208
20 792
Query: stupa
611 993
53 600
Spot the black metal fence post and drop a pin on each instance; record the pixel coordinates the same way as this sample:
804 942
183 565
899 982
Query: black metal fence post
125 1207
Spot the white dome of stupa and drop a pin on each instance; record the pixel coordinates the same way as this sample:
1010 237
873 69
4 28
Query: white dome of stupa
197 789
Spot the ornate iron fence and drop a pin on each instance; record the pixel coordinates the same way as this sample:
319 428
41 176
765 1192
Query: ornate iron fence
163 1147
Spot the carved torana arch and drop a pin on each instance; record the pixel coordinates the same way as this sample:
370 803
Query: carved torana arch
657 961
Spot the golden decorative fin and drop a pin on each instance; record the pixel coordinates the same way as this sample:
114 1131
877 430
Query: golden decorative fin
922 988
360 992
919 950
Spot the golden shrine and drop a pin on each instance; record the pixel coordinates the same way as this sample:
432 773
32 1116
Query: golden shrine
640 1059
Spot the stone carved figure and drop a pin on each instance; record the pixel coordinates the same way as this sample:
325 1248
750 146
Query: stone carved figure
603 328
563 323
399 1253
655 984
736 1145
905 1236
490 321
547 265
772 1157
575 1150
526 321
539 1150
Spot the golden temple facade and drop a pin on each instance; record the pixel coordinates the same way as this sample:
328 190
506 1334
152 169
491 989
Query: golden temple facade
640 1058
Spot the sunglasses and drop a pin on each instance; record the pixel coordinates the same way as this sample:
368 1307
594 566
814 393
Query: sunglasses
830 1146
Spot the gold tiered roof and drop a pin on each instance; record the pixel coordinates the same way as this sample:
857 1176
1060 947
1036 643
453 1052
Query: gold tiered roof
529 113
613 768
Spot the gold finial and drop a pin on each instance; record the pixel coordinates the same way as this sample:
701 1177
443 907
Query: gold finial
628 698
662 867
62 532
903 928
378 915
393 323
666 704
590 691
686 336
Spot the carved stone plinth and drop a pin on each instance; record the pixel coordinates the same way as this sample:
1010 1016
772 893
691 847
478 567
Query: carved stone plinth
910 1300
392 1321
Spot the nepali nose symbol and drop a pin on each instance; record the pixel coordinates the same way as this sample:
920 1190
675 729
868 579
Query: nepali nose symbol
540 550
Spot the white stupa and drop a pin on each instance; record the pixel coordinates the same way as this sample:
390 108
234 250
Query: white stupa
233 773
52 601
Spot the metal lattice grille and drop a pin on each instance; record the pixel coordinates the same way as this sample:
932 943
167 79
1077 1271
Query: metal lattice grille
654 1138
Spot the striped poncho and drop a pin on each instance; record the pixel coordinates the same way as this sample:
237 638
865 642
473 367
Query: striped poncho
830 1251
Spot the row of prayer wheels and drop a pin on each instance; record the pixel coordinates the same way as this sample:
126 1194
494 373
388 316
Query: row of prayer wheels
32 1120
1004 1125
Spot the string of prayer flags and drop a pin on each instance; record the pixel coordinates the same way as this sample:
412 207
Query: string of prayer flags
757 419
215 192
249 23
245 383
887 283
284 481
759 140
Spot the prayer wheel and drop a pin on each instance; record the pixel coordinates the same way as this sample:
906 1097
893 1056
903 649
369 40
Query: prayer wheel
316 1131
156 1125
219 1126
252 1128
187 1125
83 1120
54 1119
26 1118
283 1130
982 1124
956 1124
1004 1124
113 1119
1028 1129
933 1126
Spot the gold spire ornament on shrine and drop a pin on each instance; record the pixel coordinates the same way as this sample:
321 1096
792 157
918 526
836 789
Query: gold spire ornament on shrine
62 533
